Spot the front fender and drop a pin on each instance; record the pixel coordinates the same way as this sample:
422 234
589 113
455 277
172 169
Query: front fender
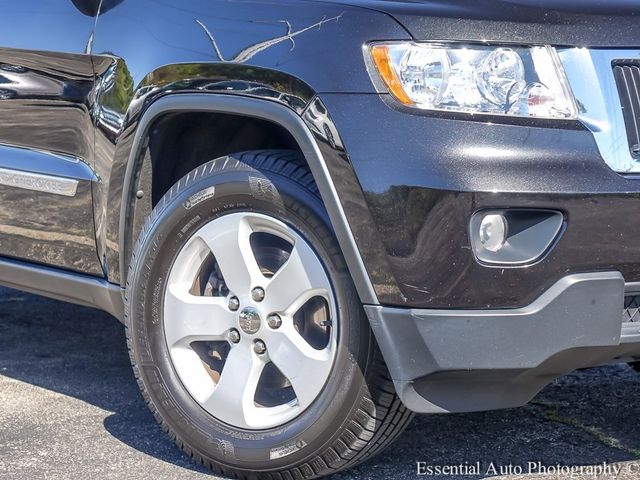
119 111
262 109
282 51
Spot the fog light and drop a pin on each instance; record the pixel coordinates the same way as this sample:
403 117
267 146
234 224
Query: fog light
513 237
493 232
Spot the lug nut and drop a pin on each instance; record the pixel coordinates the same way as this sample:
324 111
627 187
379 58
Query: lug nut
274 320
259 347
234 304
257 294
233 336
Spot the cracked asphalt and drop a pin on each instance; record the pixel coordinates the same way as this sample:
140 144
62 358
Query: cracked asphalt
70 409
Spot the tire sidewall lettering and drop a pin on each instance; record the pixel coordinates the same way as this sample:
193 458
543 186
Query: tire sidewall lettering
247 190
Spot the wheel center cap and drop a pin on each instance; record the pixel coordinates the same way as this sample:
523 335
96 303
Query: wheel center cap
249 320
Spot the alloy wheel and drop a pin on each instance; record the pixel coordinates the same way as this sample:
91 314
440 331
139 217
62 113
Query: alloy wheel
250 320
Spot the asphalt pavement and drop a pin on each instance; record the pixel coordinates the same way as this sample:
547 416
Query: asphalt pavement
70 409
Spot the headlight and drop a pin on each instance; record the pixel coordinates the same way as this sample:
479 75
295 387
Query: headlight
519 81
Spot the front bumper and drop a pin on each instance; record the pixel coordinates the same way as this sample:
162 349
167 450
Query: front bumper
458 334
469 360
413 181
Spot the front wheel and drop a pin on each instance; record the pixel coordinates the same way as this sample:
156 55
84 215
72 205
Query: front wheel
245 331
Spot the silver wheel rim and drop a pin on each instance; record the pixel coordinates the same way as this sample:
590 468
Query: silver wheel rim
251 362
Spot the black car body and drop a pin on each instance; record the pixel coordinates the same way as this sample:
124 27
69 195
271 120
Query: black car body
98 103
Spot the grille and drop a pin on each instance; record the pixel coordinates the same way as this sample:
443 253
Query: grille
627 77
631 312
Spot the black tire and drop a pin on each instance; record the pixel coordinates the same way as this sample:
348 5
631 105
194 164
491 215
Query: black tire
357 413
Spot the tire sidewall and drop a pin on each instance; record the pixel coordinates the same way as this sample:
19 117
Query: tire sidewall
232 190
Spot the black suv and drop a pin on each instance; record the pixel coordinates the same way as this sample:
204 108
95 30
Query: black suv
316 217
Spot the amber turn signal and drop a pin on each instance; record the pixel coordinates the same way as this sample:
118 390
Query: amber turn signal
380 56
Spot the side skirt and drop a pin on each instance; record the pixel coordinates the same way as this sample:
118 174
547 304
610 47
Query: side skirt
63 285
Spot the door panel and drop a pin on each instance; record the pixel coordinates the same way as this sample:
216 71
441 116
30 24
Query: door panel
46 134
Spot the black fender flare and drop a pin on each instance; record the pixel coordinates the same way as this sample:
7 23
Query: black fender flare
256 108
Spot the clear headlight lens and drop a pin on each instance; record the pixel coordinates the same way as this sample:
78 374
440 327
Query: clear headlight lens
519 81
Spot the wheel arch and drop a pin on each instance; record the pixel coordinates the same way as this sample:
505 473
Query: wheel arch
252 108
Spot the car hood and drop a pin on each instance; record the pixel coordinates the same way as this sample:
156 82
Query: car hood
595 23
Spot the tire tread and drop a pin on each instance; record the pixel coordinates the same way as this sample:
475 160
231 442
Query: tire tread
380 416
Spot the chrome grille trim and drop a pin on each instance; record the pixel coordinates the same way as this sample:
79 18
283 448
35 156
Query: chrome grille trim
591 78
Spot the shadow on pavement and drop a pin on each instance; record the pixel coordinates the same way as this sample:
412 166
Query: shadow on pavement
587 418
80 352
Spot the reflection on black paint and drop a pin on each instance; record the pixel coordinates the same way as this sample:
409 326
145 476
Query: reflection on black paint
45 101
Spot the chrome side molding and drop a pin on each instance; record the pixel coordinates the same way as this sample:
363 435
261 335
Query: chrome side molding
38 182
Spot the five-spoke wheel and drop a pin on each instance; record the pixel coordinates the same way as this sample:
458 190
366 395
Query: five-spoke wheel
253 342
247 335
